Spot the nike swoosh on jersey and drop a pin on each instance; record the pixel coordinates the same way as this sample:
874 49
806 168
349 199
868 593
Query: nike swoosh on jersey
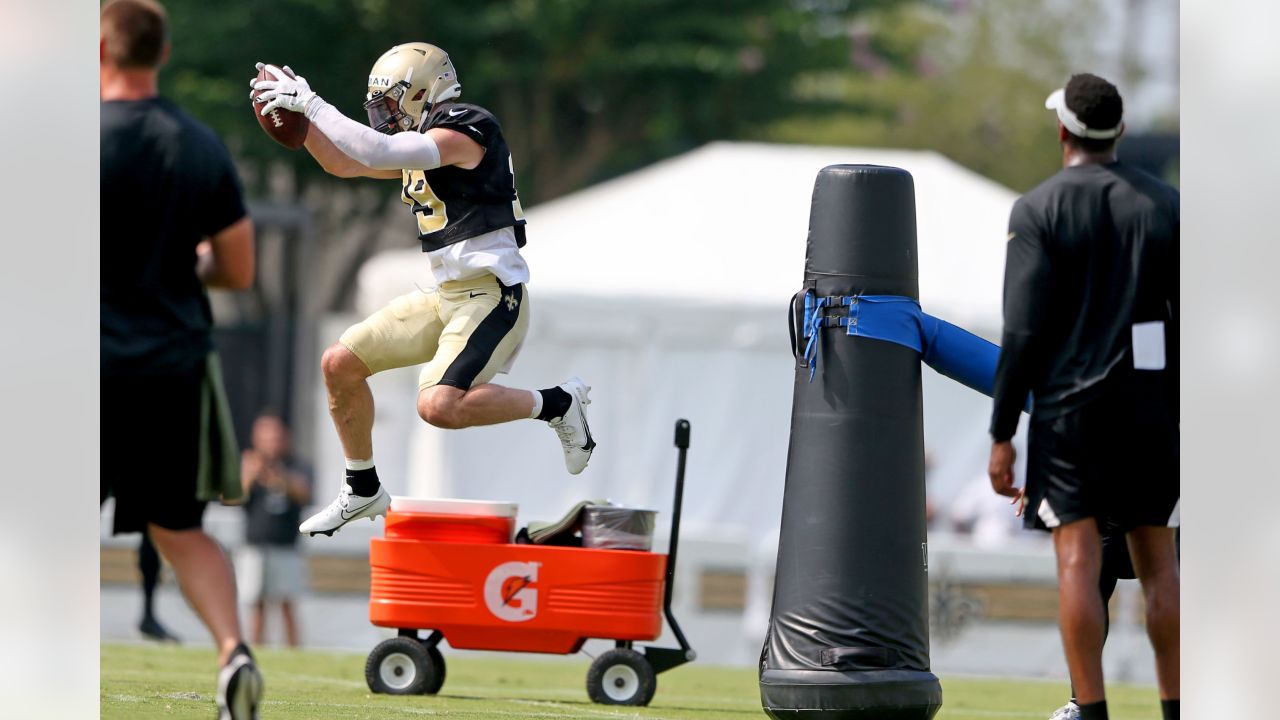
476 294
456 113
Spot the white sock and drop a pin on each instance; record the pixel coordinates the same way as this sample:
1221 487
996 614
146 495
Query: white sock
537 405
359 464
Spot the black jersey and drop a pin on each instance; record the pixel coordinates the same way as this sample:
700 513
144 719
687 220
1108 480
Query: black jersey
453 204
1092 252
167 182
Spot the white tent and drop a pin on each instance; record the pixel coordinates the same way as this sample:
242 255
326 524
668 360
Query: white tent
666 289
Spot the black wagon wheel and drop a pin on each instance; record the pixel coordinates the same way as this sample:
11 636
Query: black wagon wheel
401 666
437 679
621 676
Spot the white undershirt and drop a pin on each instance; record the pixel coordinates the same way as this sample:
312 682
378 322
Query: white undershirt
493 252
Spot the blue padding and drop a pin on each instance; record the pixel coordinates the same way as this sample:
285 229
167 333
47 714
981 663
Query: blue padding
956 353
959 354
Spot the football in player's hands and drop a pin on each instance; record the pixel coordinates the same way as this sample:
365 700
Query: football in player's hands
287 128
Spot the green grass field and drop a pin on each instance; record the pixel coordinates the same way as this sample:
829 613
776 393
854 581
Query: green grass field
141 682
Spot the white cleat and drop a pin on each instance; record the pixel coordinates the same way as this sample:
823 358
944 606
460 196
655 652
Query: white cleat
346 508
574 432
1070 711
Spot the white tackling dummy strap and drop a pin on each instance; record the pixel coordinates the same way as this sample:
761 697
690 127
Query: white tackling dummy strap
1057 101
402 151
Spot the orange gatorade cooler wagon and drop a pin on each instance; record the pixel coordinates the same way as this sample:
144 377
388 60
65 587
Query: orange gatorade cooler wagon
451 568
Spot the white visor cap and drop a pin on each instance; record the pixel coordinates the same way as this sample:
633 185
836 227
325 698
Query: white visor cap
1057 101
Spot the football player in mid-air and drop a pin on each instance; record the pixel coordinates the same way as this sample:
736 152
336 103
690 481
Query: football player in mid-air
457 177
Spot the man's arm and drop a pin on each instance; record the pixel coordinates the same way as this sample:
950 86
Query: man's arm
297 487
1028 287
226 260
337 163
1027 290
250 468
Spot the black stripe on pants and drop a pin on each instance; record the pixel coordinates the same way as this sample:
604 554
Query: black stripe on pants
485 338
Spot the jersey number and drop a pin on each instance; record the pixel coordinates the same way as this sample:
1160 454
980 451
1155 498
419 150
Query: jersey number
429 208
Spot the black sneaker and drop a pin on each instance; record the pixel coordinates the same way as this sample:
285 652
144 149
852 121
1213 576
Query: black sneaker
239 687
151 628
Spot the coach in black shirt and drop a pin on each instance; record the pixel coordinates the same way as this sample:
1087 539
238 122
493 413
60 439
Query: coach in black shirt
172 223
1090 330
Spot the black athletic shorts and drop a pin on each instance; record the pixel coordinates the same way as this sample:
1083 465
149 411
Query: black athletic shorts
1116 562
1114 459
151 450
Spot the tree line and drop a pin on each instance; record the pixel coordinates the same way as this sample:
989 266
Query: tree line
587 89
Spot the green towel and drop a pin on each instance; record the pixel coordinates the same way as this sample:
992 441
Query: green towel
544 532
219 475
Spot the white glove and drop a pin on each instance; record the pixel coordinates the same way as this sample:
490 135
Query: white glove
290 93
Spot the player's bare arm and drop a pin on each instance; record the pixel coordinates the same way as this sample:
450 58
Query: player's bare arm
456 148
226 259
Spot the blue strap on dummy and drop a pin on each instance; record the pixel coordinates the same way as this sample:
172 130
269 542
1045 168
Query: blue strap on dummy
950 350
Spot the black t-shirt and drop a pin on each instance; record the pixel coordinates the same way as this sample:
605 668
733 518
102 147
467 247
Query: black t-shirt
272 517
1092 251
453 204
167 183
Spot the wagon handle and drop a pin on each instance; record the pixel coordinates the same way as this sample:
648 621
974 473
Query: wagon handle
682 443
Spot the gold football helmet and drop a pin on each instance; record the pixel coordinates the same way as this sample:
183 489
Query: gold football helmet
404 82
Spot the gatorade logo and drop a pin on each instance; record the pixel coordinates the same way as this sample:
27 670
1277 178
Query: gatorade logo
510 592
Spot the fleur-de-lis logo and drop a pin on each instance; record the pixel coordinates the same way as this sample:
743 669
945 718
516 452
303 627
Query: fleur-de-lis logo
512 302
